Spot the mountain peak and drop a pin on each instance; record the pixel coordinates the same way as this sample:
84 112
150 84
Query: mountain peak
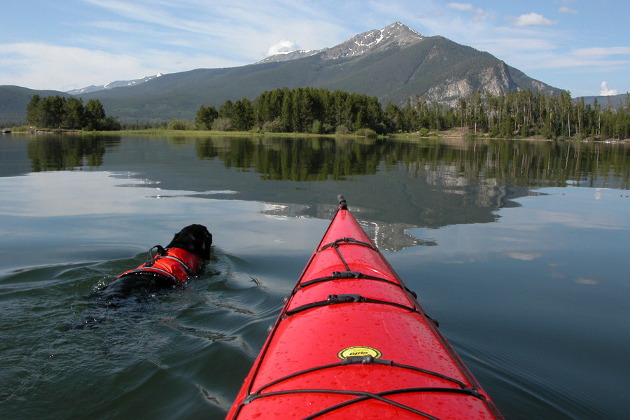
395 34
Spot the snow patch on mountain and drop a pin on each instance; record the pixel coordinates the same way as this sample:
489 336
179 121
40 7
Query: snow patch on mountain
396 34
111 85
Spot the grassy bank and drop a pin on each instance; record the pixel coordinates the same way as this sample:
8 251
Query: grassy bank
213 133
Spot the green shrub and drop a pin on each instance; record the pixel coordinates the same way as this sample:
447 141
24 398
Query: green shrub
177 125
366 132
222 124
342 129
317 128
423 132
274 126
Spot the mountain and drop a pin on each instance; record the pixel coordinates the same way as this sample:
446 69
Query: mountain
394 64
118 83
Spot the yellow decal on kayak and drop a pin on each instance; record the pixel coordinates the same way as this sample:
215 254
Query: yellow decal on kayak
359 351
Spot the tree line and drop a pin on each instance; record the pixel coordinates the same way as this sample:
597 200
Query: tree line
300 110
514 114
530 113
68 113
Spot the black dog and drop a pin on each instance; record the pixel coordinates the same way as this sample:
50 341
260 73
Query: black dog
170 267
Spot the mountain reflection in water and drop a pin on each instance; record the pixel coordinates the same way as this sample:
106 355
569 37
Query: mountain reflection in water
431 183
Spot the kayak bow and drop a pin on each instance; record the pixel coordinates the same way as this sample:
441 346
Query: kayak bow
353 342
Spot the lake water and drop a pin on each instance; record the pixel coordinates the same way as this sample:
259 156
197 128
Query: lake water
519 249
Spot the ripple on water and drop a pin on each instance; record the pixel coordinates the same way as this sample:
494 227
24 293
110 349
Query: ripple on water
180 353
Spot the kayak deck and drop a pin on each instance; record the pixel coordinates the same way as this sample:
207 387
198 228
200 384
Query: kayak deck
353 342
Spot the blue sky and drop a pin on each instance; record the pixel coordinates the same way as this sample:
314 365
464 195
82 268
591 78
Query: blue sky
579 45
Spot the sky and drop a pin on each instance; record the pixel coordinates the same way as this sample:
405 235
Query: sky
579 45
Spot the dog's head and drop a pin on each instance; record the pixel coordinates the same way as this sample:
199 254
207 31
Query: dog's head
195 239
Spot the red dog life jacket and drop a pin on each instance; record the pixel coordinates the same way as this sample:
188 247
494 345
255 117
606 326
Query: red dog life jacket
176 264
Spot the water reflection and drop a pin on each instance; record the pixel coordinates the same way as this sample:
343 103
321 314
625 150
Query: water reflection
527 163
63 152
429 183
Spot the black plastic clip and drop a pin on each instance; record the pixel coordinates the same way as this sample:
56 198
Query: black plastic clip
343 298
346 274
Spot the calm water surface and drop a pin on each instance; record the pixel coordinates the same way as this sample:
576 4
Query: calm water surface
519 249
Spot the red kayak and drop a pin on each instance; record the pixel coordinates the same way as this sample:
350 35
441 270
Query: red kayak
352 342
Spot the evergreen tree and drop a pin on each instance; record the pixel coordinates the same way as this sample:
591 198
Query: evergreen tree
205 117
94 115
226 110
286 113
243 115
74 114
394 117
52 109
33 111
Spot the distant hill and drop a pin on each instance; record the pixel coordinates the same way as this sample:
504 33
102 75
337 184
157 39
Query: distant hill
13 101
613 101
394 64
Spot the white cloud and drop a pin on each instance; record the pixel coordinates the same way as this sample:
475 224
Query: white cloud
601 52
588 282
242 29
604 91
460 6
524 256
45 66
591 60
479 14
282 47
533 19
514 45
565 9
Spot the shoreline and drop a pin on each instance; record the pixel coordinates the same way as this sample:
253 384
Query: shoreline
455 134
